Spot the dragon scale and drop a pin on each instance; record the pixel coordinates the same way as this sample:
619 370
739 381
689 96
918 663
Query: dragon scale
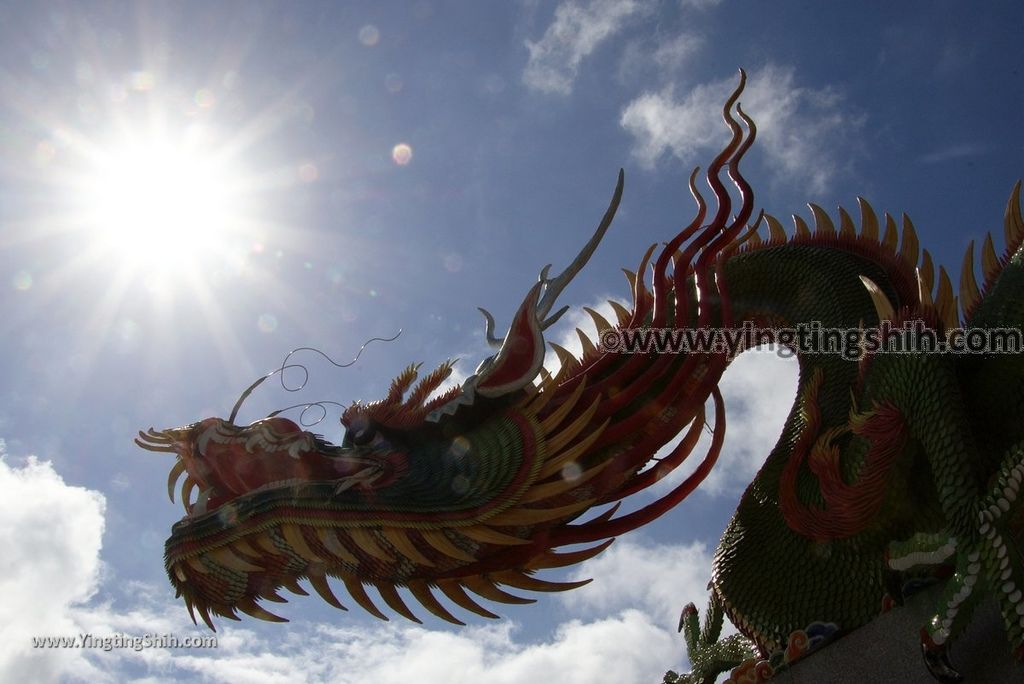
470 493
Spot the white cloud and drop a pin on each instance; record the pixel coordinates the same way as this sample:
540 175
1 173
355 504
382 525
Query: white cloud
758 389
50 534
52 531
578 28
658 578
797 126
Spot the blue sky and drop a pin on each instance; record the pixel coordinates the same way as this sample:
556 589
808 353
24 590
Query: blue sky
302 223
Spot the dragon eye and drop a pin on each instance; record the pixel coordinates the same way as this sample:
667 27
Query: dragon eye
363 434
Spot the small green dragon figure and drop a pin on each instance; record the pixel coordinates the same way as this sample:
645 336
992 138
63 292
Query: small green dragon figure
887 463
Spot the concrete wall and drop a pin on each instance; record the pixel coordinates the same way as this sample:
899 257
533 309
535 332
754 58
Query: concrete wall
888 650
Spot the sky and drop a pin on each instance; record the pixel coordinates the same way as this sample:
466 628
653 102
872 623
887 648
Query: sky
189 190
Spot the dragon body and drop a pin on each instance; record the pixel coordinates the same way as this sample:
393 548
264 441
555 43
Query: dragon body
886 463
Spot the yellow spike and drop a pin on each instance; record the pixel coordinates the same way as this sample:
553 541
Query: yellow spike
1013 221
560 486
969 294
846 228
945 303
196 564
264 541
319 582
486 535
822 223
588 346
204 612
891 236
225 557
882 304
358 592
400 540
172 477
554 464
775 229
489 590
454 591
600 322
270 594
621 312
440 542
802 231
250 607
293 535
541 400
559 414
868 220
292 585
244 548
421 590
393 599
179 572
521 580
568 363
365 540
989 261
555 443
533 516
754 238
924 292
329 538
631 277
550 559
927 270
909 246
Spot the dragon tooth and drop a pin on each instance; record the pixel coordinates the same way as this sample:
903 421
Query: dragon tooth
199 507
187 485
180 573
172 477
600 322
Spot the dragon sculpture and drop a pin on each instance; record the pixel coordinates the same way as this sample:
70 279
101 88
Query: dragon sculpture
887 464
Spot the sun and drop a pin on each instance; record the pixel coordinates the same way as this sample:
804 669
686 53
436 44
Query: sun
159 204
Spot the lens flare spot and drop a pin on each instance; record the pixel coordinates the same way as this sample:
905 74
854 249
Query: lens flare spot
266 322
369 35
204 98
393 82
22 280
401 154
571 472
142 81
453 262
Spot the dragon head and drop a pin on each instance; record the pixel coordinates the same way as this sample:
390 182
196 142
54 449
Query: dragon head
475 488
